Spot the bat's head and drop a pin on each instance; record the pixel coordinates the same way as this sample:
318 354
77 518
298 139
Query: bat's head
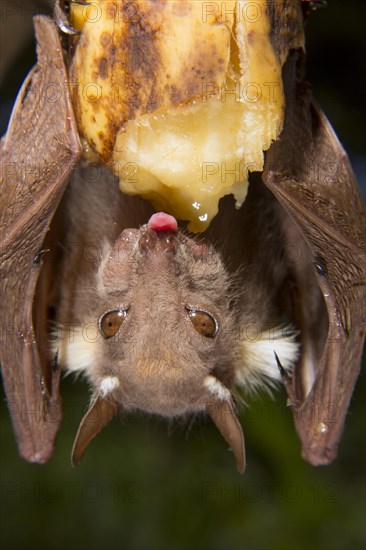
166 333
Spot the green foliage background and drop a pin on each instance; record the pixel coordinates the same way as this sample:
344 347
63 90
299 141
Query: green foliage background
145 484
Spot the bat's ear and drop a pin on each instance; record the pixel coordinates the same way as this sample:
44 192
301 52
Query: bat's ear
221 408
100 413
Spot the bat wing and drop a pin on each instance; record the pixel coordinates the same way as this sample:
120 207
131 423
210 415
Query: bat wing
38 153
310 174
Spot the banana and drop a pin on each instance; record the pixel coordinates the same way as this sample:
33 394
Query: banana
180 98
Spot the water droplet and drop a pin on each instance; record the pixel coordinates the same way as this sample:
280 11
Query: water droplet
203 218
322 428
320 266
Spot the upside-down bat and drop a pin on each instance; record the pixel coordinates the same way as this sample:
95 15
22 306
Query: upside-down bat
172 315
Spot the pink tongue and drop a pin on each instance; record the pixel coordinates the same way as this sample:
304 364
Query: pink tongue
162 222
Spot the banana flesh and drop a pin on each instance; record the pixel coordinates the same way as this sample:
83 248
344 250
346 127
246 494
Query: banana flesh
180 98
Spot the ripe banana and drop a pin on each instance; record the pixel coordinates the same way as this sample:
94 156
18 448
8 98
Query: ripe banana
181 97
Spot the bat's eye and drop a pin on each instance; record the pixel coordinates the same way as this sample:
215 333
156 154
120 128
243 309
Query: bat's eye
110 322
203 322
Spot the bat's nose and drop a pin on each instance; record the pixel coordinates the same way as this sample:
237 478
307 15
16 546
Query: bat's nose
162 222
161 235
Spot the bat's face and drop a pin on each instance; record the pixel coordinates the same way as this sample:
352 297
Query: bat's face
165 341
163 317
168 337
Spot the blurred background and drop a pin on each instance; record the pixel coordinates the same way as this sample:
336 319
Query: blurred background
145 484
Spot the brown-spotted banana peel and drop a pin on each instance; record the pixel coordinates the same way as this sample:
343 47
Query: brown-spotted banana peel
180 98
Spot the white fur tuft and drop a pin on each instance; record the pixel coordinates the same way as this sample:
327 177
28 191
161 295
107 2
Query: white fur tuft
259 363
76 352
108 384
217 389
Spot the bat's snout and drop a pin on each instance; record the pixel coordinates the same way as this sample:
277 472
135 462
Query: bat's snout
160 236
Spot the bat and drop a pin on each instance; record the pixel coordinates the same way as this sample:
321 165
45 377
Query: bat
171 315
